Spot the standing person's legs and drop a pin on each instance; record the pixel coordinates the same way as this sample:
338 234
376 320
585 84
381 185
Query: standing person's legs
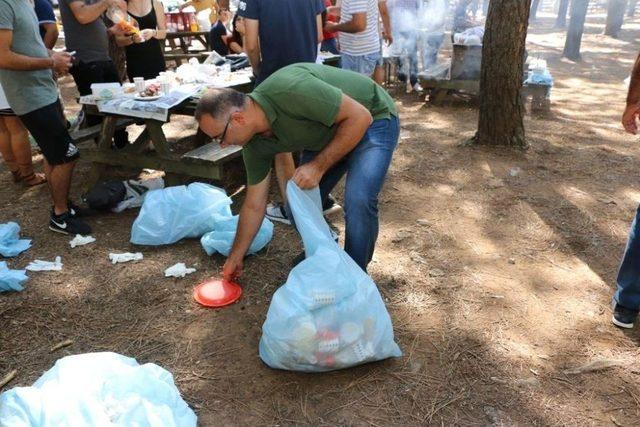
6 151
628 292
368 164
22 151
48 127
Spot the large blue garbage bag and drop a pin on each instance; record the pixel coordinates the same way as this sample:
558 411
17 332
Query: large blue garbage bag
11 280
10 242
98 389
175 213
329 314
221 238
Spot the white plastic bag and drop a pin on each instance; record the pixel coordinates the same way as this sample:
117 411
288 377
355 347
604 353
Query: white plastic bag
329 314
221 238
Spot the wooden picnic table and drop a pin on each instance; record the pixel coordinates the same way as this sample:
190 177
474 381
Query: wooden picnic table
178 45
206 161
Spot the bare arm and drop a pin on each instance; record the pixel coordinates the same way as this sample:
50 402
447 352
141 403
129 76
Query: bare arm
161 32
10 60
357 24
235 47
319 28
251 217
353 120
50 35
87 13
386 21
632 111
252 43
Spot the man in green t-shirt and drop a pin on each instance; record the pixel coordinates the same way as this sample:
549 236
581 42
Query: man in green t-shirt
342 122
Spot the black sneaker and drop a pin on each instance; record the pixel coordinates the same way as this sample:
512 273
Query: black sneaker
623 317
76 211
67 224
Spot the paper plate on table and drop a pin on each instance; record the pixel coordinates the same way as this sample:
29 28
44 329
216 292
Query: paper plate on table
217 293
149 98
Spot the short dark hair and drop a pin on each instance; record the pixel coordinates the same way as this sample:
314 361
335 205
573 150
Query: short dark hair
219 102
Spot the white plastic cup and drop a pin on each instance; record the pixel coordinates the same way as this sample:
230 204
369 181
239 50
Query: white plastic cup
139 82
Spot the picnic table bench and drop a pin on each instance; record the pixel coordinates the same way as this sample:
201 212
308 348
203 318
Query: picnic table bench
207 160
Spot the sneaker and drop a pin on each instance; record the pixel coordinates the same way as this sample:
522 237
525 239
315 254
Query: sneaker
417 87
67 224
330 206
76 211
623 317
276 212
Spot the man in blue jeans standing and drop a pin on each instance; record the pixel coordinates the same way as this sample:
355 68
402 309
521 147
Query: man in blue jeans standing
626 300
342 121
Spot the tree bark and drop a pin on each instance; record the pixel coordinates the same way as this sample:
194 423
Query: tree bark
501 110
561 20
535 5
576 28
615 16
632 8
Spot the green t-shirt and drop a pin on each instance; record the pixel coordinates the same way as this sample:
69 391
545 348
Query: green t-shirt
26 91
301 102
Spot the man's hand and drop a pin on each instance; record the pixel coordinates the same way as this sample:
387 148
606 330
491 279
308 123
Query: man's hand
307 176
62 61
631 114
232 268
387 37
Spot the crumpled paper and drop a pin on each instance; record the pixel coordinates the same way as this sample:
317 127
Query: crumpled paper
10 242
81 240
39 265
125 257
11 280
178 270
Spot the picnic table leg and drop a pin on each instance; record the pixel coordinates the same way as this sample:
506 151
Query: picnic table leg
104 145
158 138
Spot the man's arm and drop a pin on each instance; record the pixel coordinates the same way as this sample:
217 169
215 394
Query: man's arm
357 24
50 35
353 120
319 28
386 21
87 13
632 111
10 60
251 217
252 43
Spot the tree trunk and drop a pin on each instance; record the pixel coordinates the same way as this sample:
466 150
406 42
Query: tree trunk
615 16
632 8
535 5
501 109
561 21
576 28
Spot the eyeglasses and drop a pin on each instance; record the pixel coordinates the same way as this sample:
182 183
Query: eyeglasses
220 139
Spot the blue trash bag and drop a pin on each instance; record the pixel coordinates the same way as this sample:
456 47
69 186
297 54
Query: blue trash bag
10 242
11 280
98 389
329 314
221 238
543 78
175 213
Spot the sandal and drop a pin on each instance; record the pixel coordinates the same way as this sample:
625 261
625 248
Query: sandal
33 179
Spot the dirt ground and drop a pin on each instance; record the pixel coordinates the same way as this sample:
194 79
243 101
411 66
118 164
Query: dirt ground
497 268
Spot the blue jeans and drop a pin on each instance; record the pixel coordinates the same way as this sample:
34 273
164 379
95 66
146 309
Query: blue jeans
628 292
366 167
363 64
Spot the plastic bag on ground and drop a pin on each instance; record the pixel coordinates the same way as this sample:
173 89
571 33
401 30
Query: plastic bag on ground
39 265
98 389
329 314
11 280
175 213
10 242
221 238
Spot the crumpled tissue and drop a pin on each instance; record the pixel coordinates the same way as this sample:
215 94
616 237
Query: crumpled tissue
11 280
125 257
81 240
39 265
178 270
10 242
